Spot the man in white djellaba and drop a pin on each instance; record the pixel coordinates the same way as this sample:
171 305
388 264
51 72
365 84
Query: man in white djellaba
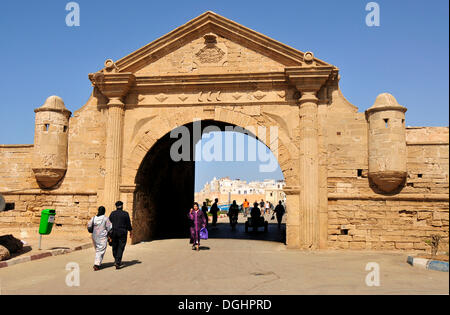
99 226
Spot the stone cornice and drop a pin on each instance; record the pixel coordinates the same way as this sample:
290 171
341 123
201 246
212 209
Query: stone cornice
16 146
405 197
309 79
56 110
36 191
385 108
112 85
241 79
128 188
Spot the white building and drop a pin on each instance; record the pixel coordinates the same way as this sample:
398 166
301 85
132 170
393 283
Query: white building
272 189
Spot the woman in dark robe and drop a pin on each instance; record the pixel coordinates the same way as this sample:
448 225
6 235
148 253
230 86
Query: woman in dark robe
198 221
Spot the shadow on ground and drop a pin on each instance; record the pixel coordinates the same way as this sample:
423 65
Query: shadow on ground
223 230
124 263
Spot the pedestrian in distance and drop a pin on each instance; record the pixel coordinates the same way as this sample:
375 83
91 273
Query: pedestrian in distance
214 210
205 212
233 214
121 223
99 226
279 211
198 221
261 205
267 208
246 206
255 215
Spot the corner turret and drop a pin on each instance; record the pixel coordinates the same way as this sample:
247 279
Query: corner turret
387 143
51 142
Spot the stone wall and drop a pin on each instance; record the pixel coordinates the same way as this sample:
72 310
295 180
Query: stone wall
362 217
15 168
86 153
71 209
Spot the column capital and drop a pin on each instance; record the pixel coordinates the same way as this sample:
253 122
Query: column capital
115 102
113 85
308 97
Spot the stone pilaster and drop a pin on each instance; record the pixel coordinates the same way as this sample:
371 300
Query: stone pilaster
309 171
115 86
312 209
293 216
113 156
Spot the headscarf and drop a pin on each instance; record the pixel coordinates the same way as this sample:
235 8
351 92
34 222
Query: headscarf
101 211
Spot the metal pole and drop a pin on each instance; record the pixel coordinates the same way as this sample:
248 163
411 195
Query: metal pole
40 239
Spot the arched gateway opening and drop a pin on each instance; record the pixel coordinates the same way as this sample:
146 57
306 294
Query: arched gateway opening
165 187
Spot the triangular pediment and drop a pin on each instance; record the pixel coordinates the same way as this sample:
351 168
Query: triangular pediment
211 43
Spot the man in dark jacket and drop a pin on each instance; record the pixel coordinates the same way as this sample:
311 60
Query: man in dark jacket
214 209
279 211
233 213
205 212
121 224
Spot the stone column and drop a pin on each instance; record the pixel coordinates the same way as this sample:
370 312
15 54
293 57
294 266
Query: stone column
115 87
308 79
113 156
309 171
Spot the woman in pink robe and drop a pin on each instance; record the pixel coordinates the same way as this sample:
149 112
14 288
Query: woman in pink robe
198 221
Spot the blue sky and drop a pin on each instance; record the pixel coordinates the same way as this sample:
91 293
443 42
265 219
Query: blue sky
408 55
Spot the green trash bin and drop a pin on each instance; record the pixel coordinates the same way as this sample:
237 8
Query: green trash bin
47 221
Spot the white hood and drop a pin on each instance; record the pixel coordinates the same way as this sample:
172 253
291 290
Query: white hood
98 220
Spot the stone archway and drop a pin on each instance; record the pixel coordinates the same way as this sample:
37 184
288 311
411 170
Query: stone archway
162 190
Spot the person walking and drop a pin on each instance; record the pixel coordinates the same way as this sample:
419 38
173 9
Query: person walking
279 211
255 215
233 213
205 212
100 225
198 221
246 206
261 205
121 224
267 208
214 210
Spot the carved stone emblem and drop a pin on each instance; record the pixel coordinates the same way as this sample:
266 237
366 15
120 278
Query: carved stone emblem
210 54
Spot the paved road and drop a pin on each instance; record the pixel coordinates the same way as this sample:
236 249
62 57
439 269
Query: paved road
228 266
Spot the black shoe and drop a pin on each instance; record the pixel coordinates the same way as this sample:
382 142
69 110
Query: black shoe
96 268
118 266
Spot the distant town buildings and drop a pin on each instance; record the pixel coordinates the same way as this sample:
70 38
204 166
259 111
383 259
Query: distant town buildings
227 190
